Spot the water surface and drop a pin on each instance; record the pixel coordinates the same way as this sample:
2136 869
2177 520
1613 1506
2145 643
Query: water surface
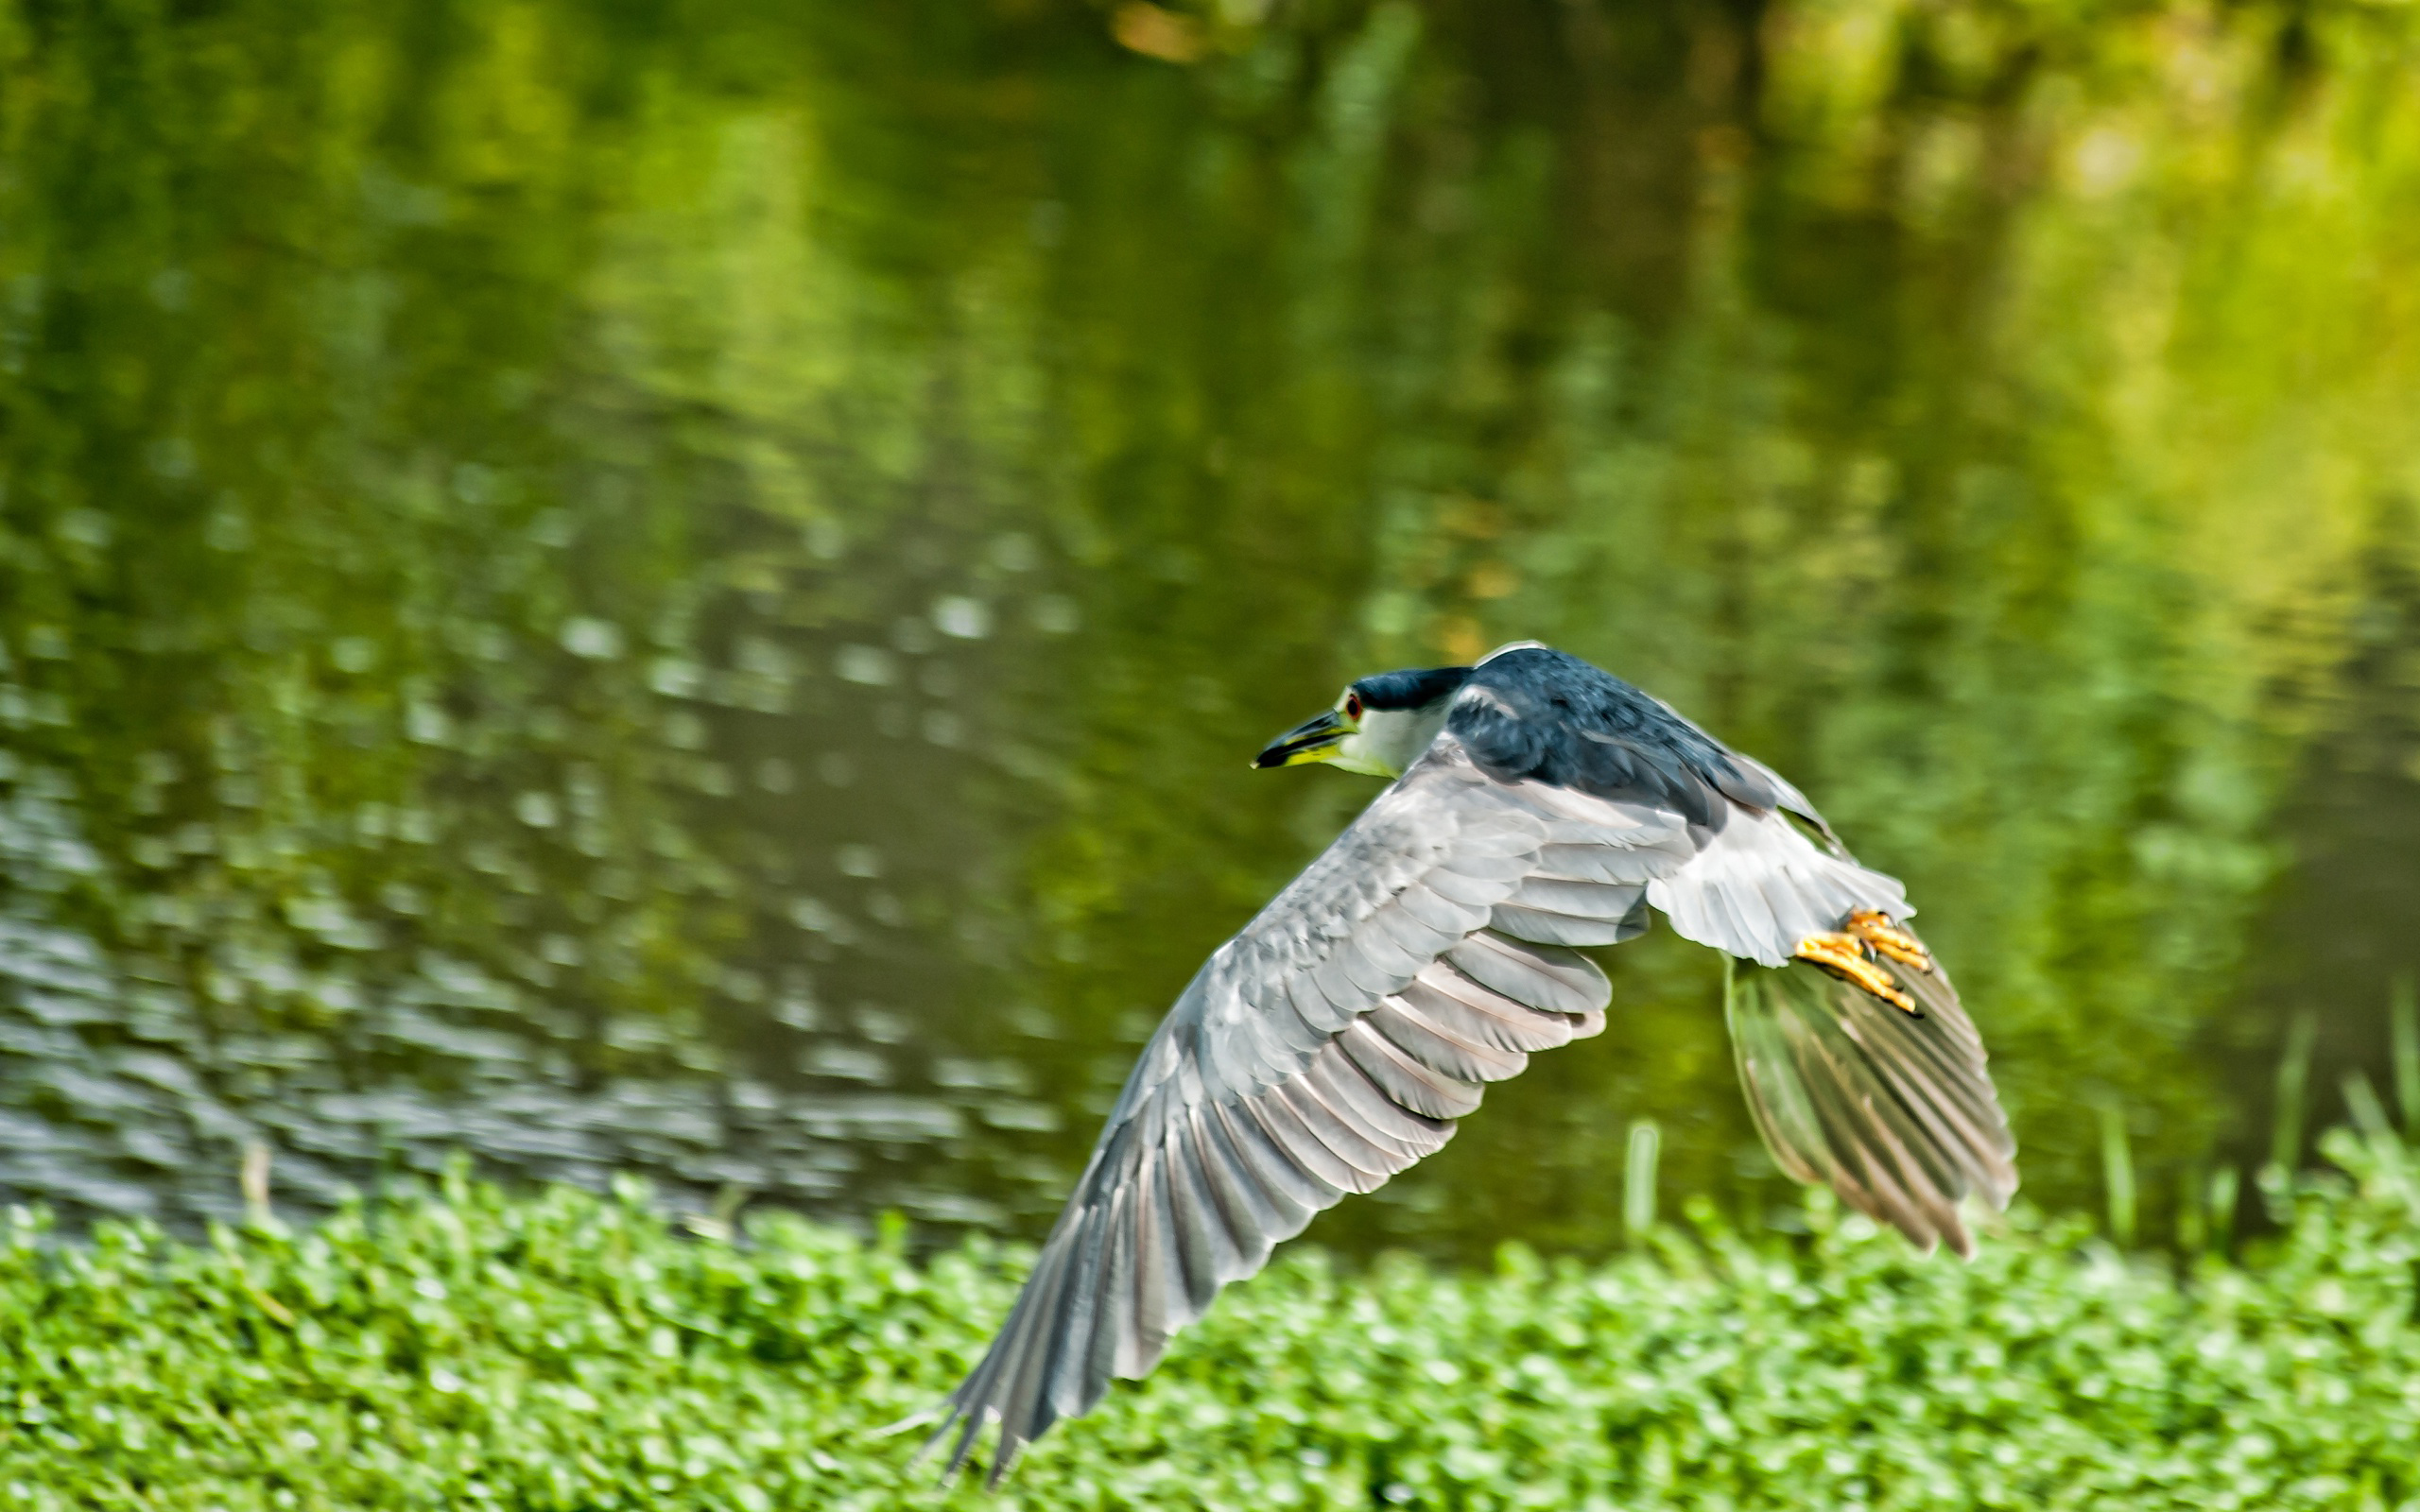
625 589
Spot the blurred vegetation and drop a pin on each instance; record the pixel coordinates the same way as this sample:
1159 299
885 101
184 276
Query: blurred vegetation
626 589
463 1347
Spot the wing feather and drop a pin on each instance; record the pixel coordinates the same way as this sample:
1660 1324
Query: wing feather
1464 1056
1298 1181
1614 866
1450 919
1262 1210
1446 999
1454 887
1551 928
1334 978
1369 1163
1342 1085
1297 1136
1542 976
1422 1087
1418 939
1578 896
1114 1341
1310 1003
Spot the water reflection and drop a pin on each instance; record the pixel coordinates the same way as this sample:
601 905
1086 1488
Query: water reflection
622 595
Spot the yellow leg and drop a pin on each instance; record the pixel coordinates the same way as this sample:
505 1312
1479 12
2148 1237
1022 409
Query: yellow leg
1844 956
1882 933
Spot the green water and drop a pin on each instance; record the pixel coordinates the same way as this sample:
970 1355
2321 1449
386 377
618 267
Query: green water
619 586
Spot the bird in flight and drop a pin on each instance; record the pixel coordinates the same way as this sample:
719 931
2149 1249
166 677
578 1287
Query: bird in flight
1537 804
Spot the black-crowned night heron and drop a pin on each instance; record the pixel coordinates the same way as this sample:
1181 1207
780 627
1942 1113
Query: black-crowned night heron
1538 805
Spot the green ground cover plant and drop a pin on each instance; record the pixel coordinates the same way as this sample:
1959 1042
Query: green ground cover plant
464 1347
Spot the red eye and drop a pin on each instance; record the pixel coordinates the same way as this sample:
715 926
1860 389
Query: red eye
1351 706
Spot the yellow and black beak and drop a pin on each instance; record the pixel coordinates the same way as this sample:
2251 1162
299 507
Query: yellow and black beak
1314 740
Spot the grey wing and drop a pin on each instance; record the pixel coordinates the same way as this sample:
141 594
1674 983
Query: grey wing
1324 1048
1892 1109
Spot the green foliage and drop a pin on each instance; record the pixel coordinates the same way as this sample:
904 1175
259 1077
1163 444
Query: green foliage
467 1348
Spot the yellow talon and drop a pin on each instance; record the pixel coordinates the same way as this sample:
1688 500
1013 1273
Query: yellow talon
1883 934
1844 956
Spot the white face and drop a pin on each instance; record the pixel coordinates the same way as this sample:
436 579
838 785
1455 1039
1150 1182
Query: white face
1380 742
1389 740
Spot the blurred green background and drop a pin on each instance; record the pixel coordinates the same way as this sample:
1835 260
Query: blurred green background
648 585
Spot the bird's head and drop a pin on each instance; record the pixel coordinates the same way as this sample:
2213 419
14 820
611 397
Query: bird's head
1379 726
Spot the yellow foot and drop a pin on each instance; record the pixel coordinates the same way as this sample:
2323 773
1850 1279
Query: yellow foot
1883 933
1844 956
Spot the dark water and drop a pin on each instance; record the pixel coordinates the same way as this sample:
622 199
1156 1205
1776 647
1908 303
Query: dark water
622 588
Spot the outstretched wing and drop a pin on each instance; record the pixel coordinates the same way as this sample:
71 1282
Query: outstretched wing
1321 1051
1892 1109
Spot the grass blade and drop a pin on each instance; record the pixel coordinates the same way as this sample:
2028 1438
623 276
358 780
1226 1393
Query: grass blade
2403 1031
2293 1085
2369 1114
2117 1173
1638 1179
2225 1184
